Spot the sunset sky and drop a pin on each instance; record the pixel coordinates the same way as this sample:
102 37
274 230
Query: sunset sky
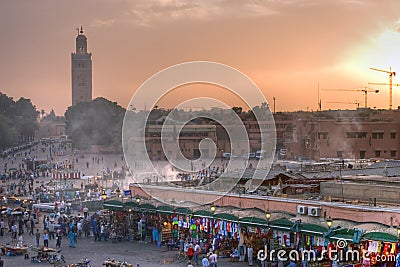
287 47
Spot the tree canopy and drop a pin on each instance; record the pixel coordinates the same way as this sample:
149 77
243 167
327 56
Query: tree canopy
98 122
18 121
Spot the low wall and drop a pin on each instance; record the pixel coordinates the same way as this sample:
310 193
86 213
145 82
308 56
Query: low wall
357 213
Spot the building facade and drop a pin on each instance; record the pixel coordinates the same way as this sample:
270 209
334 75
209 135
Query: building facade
361 134
189 141
81 66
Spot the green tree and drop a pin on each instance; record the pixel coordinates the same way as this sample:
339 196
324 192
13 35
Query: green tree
25 119
17 121
8 134
95 123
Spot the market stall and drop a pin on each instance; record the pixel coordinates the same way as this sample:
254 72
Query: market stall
380 249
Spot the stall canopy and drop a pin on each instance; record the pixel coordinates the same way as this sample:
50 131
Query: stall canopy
350 235
226 217
253 222
165 210
183 211
147 207
380 236
281 224
113 205
203 213
131 205
313 229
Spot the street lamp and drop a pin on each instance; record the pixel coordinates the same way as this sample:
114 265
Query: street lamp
138 200
104 195
268 215
213 208
329 222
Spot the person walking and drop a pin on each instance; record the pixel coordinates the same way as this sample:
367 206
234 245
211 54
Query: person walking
71 236
2 225
45 239
190 252
250 252
242 252
205 262
58 238
197 250
32 222
213 259
51 230
37 236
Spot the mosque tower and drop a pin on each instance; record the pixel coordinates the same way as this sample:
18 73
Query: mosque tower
81 65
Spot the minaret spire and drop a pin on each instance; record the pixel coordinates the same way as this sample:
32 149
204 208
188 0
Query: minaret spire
81 30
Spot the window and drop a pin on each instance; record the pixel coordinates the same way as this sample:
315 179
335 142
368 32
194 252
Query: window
322 135
393 135
356 134
393 153
362 154
377 135
339 154
377 153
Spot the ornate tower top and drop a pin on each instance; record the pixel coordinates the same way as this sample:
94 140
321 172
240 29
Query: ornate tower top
81 42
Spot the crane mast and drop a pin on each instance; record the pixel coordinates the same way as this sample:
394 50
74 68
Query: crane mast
391 74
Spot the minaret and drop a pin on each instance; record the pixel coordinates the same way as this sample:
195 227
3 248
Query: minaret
81 65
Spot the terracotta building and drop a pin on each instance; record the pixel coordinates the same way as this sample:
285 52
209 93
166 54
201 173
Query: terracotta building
359 134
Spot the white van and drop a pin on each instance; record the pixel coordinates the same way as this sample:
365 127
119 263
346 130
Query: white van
44 207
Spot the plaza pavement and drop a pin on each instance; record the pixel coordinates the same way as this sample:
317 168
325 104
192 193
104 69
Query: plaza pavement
147 255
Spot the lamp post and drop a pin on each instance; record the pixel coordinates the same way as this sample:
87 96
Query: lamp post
268 216
329 222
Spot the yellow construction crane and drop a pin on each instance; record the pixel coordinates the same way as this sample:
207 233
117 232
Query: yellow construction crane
365 90
355 102
391 74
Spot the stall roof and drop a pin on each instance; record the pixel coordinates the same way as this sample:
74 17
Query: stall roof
313 229
148 207
203 213
183 211
226 217
253 221
281 224
165 209
380 236
131 204
113 205
343 234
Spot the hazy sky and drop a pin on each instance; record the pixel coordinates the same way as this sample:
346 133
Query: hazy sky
287 47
